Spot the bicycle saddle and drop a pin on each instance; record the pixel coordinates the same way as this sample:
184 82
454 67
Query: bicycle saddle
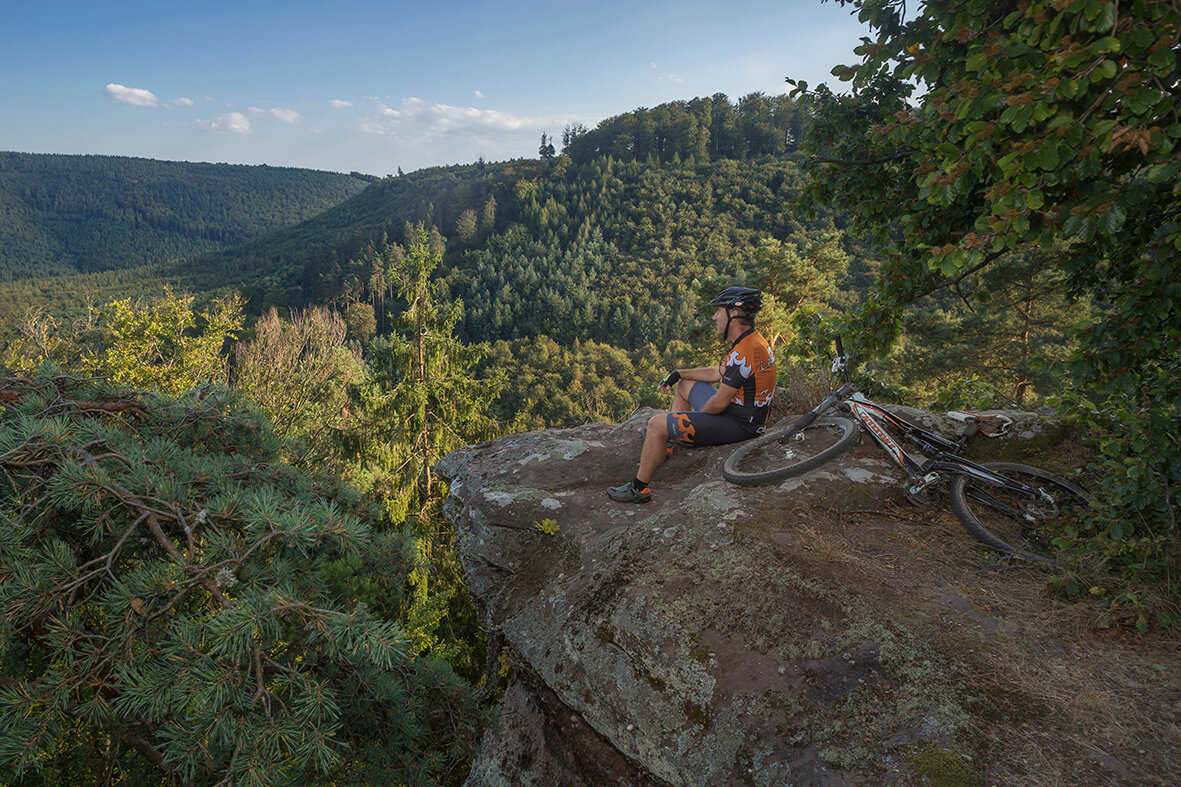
990 425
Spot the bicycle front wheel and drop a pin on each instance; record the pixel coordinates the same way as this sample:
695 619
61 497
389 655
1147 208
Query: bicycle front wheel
1013 522
777 454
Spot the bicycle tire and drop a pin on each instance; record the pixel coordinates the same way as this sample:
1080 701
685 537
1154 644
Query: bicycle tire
977 505
831 437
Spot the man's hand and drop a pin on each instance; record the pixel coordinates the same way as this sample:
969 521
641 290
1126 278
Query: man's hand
665 385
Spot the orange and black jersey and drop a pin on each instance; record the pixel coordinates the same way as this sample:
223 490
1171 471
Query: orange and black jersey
750 367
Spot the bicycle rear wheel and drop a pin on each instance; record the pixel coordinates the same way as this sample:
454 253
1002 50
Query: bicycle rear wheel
1015 523
783 454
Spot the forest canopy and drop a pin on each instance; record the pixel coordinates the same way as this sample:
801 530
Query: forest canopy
62 215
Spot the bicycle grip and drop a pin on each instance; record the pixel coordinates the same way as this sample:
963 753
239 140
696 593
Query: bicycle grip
840 347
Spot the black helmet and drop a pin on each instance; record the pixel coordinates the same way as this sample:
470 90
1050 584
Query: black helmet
743 300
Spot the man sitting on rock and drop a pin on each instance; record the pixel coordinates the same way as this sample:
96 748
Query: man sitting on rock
704 415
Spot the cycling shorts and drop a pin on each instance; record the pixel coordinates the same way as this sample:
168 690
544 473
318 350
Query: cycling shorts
698 428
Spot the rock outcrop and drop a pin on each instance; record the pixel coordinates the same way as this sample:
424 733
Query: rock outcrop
790 634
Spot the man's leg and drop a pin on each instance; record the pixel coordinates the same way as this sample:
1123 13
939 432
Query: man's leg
681 396
651 456
654 451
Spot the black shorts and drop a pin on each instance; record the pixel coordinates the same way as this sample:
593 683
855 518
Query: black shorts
698 428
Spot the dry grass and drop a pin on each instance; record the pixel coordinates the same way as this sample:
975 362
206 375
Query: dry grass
1062 703
804 389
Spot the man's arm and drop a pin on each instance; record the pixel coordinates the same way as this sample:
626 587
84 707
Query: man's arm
705 374
721 400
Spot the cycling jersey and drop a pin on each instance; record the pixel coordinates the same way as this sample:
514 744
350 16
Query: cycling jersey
749 366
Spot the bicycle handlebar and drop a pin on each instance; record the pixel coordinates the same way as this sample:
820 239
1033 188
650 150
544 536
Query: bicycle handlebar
805 419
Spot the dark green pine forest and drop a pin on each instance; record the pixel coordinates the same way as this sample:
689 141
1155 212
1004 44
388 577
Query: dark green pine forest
61 215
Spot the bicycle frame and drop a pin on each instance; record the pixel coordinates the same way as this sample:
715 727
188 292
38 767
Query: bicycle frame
944 453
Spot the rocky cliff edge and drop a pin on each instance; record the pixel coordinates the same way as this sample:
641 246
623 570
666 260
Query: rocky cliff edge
818 631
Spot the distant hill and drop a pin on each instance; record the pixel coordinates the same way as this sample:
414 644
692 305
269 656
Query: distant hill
63 215
603 241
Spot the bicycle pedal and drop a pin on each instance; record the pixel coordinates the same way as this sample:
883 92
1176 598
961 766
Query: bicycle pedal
922 498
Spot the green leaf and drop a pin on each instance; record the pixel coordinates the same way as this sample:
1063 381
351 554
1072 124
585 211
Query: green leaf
1163 60
1163 173
1102 127
1106 19
1112 220
1049 157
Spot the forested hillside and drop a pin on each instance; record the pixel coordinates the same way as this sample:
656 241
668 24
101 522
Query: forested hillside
612 238
63 215
601 241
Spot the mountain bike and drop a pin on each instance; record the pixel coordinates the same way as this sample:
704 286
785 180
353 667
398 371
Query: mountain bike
1012 508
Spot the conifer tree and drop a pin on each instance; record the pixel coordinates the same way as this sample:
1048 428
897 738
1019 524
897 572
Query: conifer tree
178 605
425 402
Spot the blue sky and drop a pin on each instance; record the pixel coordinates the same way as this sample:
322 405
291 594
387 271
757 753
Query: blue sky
374 86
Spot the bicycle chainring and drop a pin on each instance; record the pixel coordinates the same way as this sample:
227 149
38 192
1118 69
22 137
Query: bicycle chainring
928 496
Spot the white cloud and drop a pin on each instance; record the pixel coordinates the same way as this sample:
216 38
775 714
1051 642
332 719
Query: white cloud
670 77
183 102
479 94
279 113
338 103
416 117
132 95
233 122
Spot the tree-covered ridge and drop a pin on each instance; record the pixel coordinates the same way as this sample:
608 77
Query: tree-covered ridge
582 244
703 128
62 215
612 251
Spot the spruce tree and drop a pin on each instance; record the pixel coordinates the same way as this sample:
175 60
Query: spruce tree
424 401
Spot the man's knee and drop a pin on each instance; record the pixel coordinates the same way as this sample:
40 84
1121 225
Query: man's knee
658 426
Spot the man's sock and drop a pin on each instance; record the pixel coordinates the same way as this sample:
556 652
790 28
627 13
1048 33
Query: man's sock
639 485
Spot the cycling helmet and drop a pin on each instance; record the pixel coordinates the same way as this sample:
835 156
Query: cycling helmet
743 300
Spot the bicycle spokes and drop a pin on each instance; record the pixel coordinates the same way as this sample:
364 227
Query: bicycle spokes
1021 510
